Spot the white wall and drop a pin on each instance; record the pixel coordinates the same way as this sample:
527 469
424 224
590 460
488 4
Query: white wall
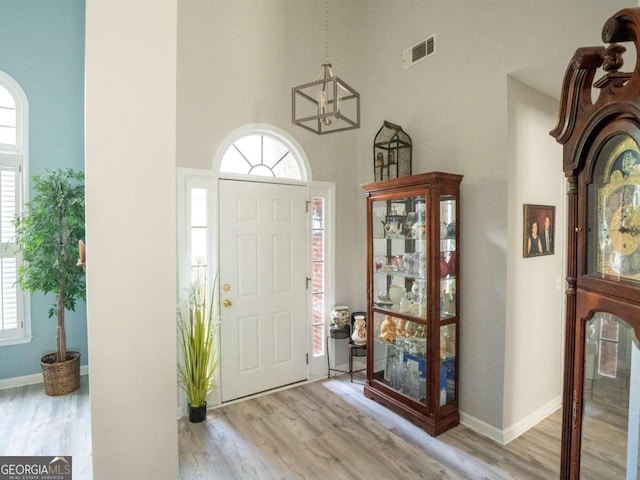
131 237
534 324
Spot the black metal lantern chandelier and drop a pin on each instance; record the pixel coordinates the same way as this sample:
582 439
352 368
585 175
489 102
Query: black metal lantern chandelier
327 104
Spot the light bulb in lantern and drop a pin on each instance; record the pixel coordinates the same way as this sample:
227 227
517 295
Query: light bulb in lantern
322 102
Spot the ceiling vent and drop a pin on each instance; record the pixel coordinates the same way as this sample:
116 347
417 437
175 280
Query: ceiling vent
418 52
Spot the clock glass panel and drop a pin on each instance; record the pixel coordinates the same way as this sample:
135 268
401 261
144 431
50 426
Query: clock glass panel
614 231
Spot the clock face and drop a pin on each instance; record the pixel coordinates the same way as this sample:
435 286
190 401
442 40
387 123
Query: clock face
619 211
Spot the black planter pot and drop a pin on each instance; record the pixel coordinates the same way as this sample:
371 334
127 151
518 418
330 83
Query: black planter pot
198 414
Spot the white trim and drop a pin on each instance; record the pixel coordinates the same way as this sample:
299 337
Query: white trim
269 130
5 342
503 437
259 179
531 420
482 428
262 394
32 379
189 178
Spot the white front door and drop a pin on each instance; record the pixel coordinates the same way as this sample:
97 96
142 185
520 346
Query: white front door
263 337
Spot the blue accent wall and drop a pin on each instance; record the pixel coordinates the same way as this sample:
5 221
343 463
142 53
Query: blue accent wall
42 48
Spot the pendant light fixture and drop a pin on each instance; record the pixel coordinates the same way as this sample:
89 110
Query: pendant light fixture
327 104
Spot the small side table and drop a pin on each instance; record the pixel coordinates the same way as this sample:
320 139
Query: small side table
356 351
336 332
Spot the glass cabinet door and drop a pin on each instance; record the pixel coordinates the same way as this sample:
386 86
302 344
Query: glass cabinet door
399 246
448 242
448 274
400 292
447 364
611 399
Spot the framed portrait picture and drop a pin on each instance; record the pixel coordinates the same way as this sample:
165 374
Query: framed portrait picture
539 228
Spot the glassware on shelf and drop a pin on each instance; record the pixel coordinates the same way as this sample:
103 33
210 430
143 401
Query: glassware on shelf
447 298
396 368
405 304
413 384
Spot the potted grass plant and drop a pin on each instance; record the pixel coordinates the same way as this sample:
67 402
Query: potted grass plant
196 333
47 234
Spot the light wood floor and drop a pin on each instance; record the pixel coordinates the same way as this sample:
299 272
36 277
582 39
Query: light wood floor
33 424
322 430
329 430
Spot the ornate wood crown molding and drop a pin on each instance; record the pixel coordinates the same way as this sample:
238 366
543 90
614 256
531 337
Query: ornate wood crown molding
619 92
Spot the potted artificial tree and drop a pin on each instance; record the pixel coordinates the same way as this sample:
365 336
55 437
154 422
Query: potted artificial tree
196 332
47 234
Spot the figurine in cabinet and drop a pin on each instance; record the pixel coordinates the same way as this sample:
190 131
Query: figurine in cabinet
388 330
401 327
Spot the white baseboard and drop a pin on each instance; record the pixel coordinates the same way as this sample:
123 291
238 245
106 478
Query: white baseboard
31 379
512 432
481 427
531 420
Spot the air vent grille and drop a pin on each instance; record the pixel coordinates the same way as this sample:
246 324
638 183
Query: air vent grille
420 51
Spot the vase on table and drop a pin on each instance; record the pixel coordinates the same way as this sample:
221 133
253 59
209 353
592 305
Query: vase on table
359 335
340 316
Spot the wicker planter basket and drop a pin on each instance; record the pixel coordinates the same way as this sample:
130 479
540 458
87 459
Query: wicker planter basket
61 378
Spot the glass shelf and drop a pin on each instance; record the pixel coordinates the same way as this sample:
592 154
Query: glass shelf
402 359
400 274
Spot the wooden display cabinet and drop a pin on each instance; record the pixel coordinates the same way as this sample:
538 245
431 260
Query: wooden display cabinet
413 298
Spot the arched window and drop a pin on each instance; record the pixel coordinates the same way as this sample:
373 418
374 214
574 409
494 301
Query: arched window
14 319
263 150
8 118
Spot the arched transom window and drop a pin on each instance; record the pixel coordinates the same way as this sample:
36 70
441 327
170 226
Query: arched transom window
265 153
8 118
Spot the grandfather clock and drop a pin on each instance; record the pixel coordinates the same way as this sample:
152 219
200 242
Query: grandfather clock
601 160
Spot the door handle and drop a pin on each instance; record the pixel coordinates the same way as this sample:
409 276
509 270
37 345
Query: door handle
226 303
